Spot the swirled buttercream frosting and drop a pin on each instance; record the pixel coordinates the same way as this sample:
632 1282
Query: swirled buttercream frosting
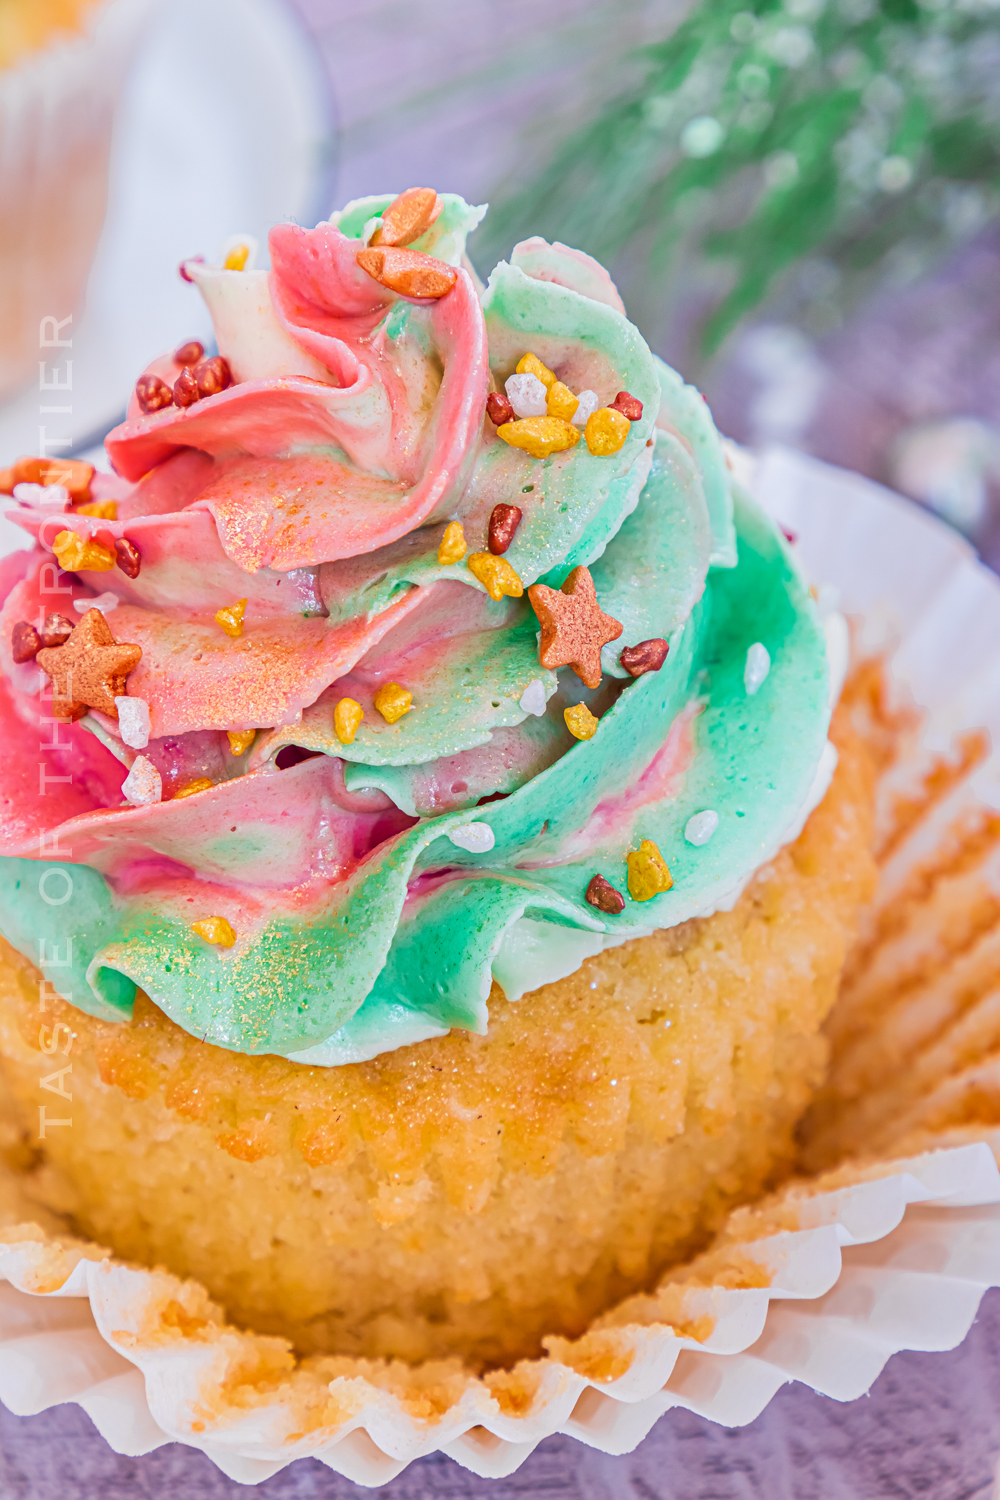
420 639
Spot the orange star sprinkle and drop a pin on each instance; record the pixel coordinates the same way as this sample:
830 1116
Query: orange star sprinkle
574 627
90 670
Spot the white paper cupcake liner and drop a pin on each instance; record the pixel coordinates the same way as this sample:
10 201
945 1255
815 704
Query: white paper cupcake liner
56 113
821 1283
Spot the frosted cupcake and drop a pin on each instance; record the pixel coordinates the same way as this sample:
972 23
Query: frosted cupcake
427 912
62 63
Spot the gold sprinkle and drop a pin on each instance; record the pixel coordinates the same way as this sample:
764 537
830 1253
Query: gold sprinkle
104 510
606 431
231 617
452 548
647 872
495 574
541 436
79 554
240 739
190 788
580 721
215 930
530 364
347 717
237 258
393 701
561 402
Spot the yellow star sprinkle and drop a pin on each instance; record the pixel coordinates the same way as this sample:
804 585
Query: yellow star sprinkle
104 510
580 721
530 364
561 402
452 548
78 553
542 436
647 872
606 431
495 574
393 701
231 617
190 788
240 739
348 714
215 930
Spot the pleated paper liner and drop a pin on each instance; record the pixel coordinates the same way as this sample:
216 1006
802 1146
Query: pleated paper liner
821 1282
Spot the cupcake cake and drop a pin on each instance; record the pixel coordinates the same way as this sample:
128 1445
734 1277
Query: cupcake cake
62 63
430 851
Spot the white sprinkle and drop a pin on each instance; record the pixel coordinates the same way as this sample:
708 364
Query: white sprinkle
42 496
476 837
526 394
757 667
104 602
133 721
532 700
142 785
588 404
701 827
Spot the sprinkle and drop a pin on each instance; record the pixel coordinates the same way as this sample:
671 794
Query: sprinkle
212 375
190 260
152 394
602 894
647 872
588 403
347 717
236 258
757 667
407 217
526 394
142 786
533 700
700 828
629 406
192 788
393 701
646 656
72 473
606 432
560 402
186 391
133 721
530 364
495 574
408 273
42 496
231 618
580 721
56 630
452 547
78 554
478 838
540 436
128 557
189 353
89 670
504 521
215 930
499 409
104 510
24 642
104 602
240 739
574 627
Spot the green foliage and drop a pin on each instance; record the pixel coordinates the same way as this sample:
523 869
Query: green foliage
785 155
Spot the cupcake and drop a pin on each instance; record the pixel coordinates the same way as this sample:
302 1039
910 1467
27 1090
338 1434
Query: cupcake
481 969
62 63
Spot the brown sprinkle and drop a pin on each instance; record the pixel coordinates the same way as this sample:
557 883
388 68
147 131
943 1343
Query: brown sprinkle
407 217
647 656
213 375
629 406
24 642
189 353
602 894
128 557
152 394
90 670
186 391
499 409
408 272
504 521
56 630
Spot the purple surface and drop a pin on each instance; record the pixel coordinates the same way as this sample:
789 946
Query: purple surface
930 1428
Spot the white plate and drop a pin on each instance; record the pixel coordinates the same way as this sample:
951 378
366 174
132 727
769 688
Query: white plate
226 126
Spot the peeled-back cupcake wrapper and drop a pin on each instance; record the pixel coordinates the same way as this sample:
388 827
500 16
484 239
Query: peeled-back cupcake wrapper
836 1275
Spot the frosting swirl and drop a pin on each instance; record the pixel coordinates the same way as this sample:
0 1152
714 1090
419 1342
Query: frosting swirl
371 884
